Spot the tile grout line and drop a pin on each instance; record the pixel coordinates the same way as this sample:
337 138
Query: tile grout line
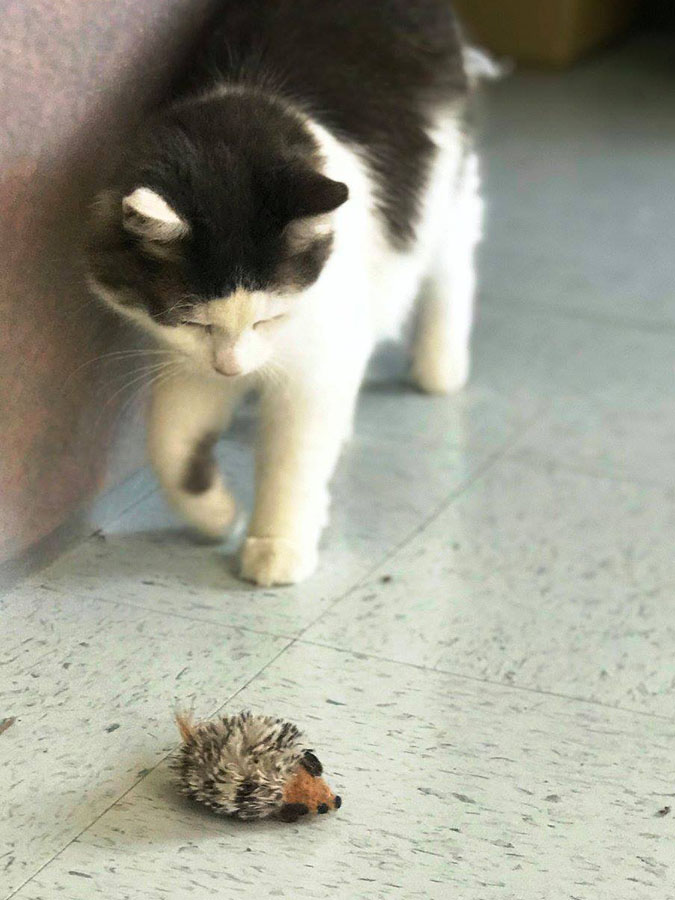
163 759
148 609
86 533
476 679
453 495
503 452
418 667
127 604
405 664
292 639
450 498
143 471
438 510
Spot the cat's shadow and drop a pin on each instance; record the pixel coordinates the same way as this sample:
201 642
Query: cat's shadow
154 551
170 557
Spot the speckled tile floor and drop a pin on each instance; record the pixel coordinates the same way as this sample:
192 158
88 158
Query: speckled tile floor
486 660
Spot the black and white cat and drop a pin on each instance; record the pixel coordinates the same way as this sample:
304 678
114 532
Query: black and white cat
278 220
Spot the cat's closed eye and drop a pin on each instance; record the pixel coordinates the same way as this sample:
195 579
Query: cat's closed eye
273 320
192 324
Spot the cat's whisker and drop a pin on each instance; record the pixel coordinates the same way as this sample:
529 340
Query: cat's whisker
139 386
116 355
274 373
183 303
155 378
141 372
134 380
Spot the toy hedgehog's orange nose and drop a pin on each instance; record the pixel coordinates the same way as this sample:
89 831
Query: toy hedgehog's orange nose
311 791
335 803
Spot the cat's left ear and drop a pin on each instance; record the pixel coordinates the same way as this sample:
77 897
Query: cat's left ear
147 215
309 193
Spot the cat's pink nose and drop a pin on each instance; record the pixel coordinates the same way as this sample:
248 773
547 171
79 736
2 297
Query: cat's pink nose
228 371
226 362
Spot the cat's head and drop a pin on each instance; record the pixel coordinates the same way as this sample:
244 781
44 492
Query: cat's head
218 223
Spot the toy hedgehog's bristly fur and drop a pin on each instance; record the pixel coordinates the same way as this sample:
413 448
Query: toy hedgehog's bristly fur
250 767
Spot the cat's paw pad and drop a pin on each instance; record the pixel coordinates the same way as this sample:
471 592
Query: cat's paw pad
441 373
211 513
276 561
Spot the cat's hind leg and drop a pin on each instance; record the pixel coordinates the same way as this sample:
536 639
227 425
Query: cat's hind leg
187 415
441 351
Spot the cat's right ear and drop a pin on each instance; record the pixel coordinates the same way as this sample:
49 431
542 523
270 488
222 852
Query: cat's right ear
303 193
147 215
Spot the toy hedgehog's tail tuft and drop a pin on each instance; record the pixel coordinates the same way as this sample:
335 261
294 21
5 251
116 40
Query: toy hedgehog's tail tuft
185 723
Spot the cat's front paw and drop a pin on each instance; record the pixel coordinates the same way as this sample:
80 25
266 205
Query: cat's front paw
211 513
275 561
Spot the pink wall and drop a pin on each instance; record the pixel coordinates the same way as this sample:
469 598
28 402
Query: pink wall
74 78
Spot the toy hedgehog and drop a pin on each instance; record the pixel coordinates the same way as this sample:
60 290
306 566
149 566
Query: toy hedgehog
251 767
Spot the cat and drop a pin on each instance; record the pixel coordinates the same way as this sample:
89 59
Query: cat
311 187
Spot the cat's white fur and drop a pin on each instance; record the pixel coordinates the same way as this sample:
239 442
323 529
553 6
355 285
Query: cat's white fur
309 363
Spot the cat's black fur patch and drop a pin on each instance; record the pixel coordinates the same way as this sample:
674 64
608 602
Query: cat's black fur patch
201 468
239 166
239 170
371 71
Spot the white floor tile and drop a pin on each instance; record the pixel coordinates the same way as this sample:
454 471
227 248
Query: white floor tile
381 494
451 788
548 572
631 440
92 687
539 355
538 577
575 171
